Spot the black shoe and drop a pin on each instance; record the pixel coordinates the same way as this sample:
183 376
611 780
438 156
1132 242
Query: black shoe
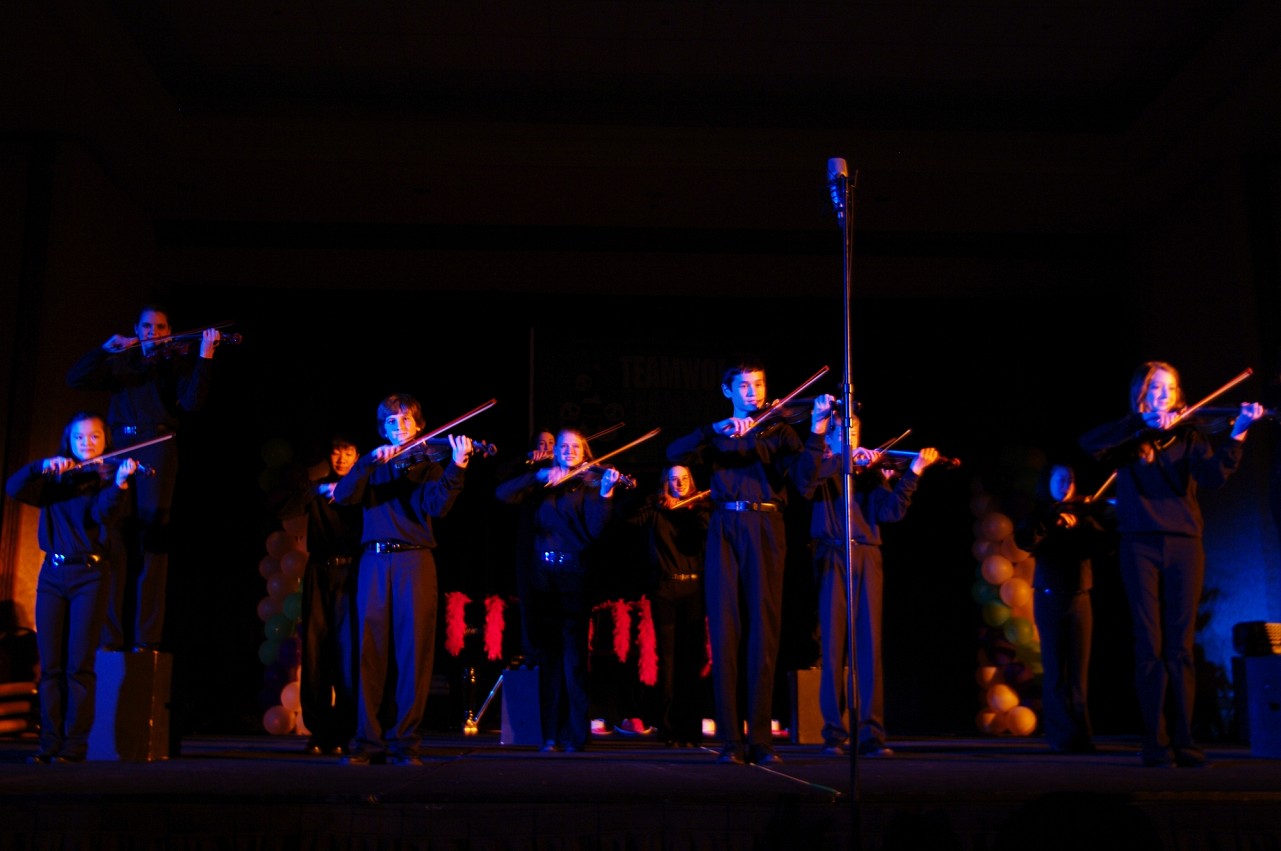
313 749
730 755
337 750
146 647
40 759
836 749
1190 758
874 749
408 760
1156 760
765 755
548 747
364 758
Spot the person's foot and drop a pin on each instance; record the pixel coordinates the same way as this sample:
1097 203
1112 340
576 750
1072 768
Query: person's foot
548 747
408 759
1156 759
145 647
313 748
731 755
836 749
41 759
874 749
1190 758
765 755
364 758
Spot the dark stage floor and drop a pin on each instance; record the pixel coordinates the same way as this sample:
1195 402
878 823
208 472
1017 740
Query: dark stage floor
261 792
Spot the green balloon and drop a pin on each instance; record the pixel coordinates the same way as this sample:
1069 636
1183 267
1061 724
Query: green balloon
1019 631
984 592
278 627
995 613
292 607
269 651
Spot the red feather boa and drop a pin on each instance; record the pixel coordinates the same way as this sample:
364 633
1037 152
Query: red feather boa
648 642
494 626
455 621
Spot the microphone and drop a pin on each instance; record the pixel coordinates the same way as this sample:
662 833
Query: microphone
837 174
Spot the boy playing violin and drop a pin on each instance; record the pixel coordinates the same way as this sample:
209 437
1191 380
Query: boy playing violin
820 478
396 592
79 506
746 551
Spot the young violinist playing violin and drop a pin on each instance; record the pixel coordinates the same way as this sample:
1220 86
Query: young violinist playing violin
568 510
820 478
1161 463
675 521
1064 532
79 508
396 593
746 552
151 387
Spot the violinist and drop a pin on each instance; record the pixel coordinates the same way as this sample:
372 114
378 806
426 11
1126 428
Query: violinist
1064 532
568 512
746 553
1161 464
148 397
79 509
675 521
542 444
396 592
820 478
328 616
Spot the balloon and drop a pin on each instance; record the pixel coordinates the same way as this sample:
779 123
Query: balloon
1001 698
292 606
279 543
278 720
1016 673
279 627
995 614
985 676
983 548
983 592
269 651
293 564
289 697
997 568
982 504
1011 550
1016 593
266 608
996 526
1021 721
992 723
291 652
269 566
1019 630
280 586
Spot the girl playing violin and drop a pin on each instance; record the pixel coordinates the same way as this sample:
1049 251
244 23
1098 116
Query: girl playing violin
568 512
1160 466
79 508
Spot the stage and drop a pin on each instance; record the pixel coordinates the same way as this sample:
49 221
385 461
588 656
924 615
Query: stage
262 792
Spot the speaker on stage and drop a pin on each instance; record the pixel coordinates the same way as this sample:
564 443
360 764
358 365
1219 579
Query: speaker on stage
131 715
807 718
521 722
1263 704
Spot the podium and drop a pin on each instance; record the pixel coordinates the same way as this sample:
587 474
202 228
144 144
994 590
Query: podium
807 717
131 714
522 723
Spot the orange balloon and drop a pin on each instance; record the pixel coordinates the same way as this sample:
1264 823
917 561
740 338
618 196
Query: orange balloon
1016 593
997 568
268 566
989 722
1001 698
983 548
278 720
985 676
279 543
289 697
293 564
995 526
1021 721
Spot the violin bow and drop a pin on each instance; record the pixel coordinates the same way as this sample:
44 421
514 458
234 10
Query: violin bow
581 468
423 438
780 403
1216 394
692 498
1103 487
116 452
608 430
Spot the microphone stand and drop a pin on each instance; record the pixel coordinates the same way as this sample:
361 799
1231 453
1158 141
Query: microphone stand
842 197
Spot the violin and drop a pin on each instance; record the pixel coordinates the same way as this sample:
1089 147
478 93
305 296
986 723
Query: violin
1216 420
182 343
597 468
768 419
437 449
109 461
900 459
692 499
592 472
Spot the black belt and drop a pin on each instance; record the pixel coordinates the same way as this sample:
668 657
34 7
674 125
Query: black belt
553 557
140 430
391 547
747 506
685 577
91 559
338 561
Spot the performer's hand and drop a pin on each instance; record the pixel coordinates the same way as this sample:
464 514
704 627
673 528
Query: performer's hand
462 448
927 456
57 465
326 490
733 427
209 341
383 454
821 413
126 469
607 481
1250 411
118 343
